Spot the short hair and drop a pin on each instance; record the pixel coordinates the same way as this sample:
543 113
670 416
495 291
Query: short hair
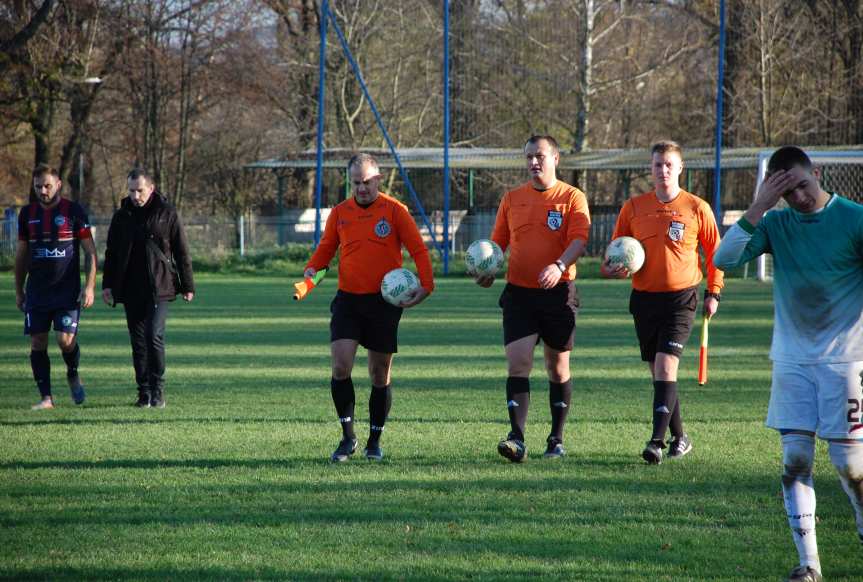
786 158
45 170
535 139
359 160
666 146
140 173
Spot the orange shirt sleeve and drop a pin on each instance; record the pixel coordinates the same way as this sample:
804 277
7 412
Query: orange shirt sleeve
413 242
500 233
329 243
708 237
579 219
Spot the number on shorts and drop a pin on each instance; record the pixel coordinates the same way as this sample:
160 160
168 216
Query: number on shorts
854 410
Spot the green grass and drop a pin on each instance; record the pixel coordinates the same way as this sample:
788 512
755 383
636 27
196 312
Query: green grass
230 482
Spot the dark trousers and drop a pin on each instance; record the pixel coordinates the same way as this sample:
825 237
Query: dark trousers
146 323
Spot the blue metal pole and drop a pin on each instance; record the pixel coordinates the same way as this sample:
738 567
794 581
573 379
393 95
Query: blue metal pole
720 81
359 76
319 164
446 137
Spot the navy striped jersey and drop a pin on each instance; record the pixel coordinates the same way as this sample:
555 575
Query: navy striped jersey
53 235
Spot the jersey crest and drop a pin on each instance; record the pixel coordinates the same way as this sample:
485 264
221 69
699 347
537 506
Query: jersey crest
383 228
676 230
554 220
59 220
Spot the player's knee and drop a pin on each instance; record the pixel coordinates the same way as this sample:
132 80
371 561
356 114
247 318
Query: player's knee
39 342
66 342
342 370
798 456
379 374
665 367
847 457
558 372
519 363
519 368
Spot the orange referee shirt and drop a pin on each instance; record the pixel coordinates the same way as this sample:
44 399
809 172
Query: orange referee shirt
537 225
369 241
670 233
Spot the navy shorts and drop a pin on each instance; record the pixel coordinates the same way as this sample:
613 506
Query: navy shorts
663 321
40 320
366 318
550 313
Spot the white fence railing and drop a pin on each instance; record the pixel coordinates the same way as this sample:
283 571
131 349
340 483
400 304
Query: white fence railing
211 236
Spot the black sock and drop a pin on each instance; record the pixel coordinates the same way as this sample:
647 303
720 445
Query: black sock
676 424
72 359
664 401
517 403
559 399
344 398
41 365
380 401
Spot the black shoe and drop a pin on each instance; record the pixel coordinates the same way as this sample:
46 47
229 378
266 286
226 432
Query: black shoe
804 574
345 449
374 452
555 449
157 399
679 446
652 453
143 399
77 389
512 448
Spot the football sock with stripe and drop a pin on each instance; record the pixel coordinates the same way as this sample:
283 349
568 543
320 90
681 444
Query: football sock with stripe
344 398
380 402
848 460
517 403
664 401
798 455
41 365
72 360
676 424
559 400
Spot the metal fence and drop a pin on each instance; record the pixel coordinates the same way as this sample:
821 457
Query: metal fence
214 237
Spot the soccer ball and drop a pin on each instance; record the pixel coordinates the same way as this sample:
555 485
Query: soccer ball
626 251
398 285
483 257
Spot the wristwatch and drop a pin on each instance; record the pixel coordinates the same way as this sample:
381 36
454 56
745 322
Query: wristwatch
560 265
716 296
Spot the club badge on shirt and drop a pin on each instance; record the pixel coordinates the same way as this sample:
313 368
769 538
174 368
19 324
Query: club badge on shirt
675 231
383 228
554 219
59 220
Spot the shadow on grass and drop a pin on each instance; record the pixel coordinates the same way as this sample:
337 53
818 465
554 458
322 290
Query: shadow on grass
467 518
572 561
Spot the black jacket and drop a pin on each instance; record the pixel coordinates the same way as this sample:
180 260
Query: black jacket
168 260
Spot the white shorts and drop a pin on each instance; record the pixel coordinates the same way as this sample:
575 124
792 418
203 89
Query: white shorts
826 399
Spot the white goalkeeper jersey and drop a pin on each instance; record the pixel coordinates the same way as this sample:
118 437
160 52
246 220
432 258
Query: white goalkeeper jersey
817 278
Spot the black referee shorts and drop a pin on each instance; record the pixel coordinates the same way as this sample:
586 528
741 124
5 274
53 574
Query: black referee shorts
548 312
366 318
663 321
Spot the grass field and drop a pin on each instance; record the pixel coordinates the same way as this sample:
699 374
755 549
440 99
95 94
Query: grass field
230 482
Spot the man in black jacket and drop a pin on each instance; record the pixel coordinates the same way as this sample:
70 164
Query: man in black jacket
147 264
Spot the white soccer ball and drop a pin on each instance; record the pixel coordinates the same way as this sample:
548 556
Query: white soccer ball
398 285
626 251
483 257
